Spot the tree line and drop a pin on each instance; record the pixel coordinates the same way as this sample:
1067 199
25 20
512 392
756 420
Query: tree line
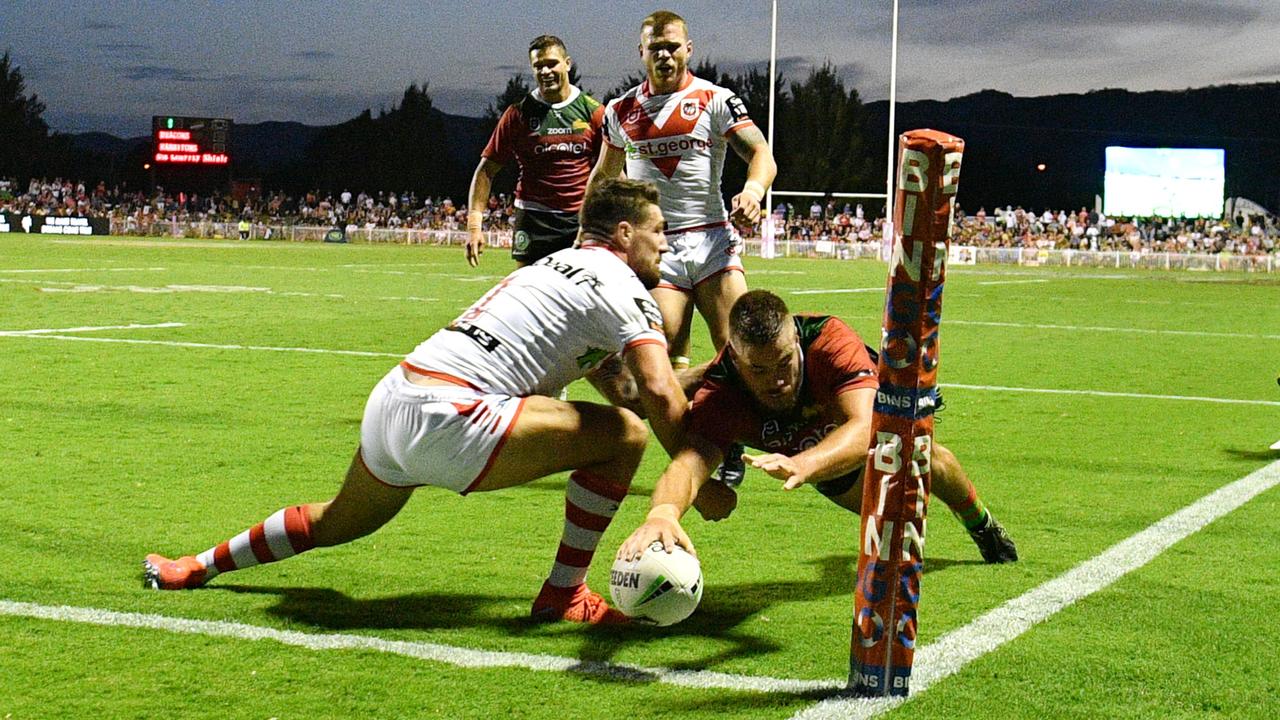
819 144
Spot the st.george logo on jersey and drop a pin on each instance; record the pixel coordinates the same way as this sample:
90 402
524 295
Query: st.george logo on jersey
689 109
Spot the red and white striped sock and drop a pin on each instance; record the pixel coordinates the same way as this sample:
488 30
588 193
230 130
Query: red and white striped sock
283 535
589 504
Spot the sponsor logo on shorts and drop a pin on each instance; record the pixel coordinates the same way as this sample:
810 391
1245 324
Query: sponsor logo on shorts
521 242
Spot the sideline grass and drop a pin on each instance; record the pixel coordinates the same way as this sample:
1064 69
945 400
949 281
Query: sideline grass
117 450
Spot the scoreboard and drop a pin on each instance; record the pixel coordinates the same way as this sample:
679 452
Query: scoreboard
190 140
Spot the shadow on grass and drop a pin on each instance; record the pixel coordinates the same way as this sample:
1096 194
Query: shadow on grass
722 619
1251 454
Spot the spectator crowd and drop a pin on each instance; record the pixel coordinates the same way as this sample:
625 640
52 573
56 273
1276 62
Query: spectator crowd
832 221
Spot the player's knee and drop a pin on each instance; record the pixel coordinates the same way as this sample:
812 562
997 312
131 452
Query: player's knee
944 463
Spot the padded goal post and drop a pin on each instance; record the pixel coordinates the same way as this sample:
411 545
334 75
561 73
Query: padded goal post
895 490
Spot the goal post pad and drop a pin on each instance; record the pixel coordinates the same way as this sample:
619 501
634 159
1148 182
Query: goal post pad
896 479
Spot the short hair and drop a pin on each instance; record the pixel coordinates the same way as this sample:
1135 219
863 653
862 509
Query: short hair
616 200
662 18
542 42
757 318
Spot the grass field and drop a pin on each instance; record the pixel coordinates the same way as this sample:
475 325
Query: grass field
241 390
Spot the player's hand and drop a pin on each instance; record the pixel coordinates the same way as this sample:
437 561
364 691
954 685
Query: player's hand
475 247
715 500
782 467
745 210
663 530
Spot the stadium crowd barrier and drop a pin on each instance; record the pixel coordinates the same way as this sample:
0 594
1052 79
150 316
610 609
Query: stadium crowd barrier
960 255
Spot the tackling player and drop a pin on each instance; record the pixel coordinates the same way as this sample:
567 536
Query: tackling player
673 130
800 388
553 135
468 410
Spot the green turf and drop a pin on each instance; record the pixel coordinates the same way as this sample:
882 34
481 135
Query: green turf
114 450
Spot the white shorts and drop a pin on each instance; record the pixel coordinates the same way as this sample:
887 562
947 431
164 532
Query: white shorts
698 255
442 435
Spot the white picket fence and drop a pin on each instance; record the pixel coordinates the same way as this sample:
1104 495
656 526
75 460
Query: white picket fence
1027 257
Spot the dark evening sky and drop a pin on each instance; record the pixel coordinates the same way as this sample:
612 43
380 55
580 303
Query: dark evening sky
110 65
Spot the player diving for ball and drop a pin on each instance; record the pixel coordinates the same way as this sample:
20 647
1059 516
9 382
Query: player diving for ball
800 388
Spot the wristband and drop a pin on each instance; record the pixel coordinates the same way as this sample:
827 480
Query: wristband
475 220
756 189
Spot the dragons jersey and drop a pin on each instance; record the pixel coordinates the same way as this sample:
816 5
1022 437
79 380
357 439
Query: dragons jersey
555 147
545 325
834 359
678 142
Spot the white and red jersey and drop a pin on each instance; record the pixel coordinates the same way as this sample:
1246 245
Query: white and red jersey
545 325
677 141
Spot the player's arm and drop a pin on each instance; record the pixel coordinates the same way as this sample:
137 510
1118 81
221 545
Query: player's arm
750 145
477 199
610 164
616 384
660 394
675 492
842 451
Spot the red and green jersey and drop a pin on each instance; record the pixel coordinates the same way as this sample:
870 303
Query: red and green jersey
834 359
555 147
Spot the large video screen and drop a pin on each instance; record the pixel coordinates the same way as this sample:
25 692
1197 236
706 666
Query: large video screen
1169 182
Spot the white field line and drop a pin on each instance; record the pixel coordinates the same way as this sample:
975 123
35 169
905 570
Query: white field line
49 334
211 346
838 291
934 663
75 288
951 652
447 654
92 328
76 270
1042 273
224 245
1105 393
1104 328
1013 282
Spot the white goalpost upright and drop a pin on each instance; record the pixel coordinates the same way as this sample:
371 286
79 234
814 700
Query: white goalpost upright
887 195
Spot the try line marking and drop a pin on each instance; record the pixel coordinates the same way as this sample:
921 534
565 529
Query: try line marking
951 652
934 662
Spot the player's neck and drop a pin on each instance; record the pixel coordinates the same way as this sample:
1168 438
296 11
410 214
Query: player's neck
565 93
595 240
655 88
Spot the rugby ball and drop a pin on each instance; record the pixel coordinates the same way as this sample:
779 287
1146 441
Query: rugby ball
659 588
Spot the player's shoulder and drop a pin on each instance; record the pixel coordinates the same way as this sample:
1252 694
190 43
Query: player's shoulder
721 372
824 331
594 268
586 101
627 99
522 109
810 325
706 87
